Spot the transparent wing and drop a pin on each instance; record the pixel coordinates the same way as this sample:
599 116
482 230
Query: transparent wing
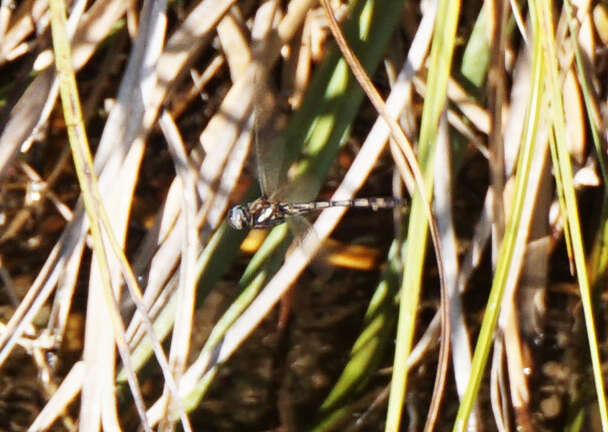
305 236
303 188
270 153
301 228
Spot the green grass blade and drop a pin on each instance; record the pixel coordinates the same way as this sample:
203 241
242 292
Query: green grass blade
369 349
599 254
563 171
513 237
476 56
439 70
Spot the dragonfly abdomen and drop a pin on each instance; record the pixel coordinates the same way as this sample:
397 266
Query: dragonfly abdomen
374 203
371 203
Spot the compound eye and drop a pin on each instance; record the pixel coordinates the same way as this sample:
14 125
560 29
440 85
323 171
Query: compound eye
237 217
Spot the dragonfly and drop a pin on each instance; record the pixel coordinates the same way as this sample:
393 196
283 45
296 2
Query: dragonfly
269 210
264 213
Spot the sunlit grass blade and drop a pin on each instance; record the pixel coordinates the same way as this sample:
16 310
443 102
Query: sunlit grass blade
85 170
439 69
514 240
563 172
599 254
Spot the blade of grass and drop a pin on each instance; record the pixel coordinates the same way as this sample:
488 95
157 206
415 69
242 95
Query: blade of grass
368 350
476 56
331 410
261 267
515 236
83 163
61 399
563 171
130 277
599 255
182 330
439 70
413 171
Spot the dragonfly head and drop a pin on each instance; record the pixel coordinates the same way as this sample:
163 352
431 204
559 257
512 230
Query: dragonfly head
239 217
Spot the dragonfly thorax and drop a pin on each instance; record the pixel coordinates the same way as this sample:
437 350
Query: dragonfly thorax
266 215
260 213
